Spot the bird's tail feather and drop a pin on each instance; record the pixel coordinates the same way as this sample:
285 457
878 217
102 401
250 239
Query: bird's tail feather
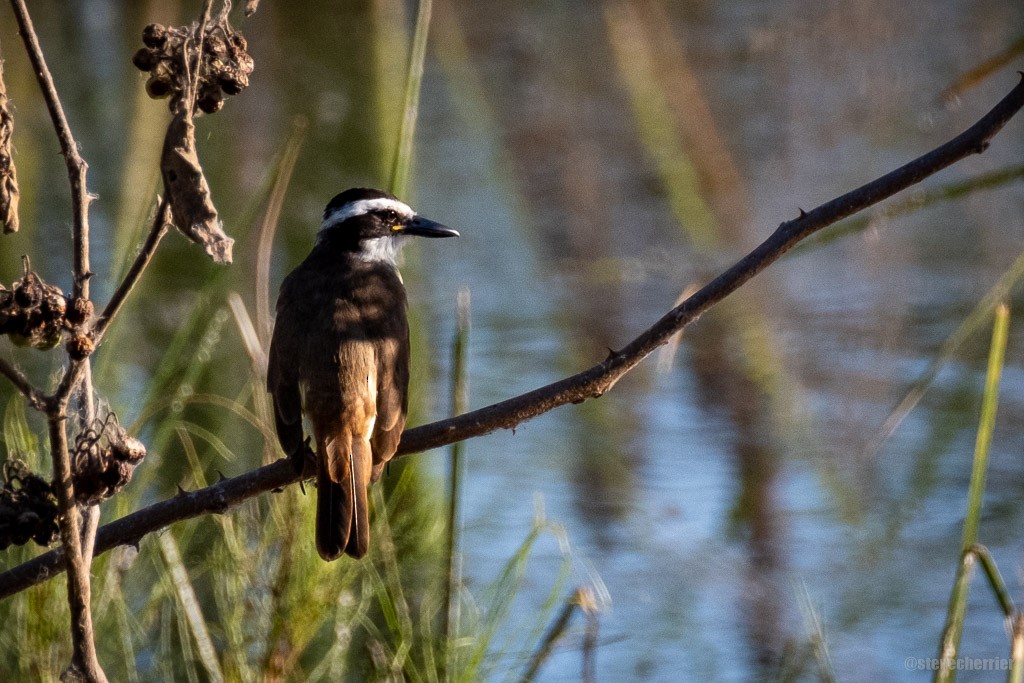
342 507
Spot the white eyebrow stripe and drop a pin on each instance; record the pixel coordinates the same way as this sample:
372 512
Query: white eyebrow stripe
358 208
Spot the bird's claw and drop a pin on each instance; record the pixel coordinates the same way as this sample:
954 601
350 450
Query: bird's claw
303 459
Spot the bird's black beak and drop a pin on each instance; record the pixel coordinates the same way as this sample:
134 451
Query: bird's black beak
424 227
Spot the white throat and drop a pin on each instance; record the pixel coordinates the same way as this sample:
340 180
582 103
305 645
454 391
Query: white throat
381 249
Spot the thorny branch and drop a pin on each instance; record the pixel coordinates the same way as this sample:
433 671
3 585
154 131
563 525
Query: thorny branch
142 259
35 398
68 148
222 496
84 660
75 533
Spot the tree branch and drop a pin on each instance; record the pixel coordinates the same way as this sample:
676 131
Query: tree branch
68 148
35 397
84 660
591 383
142 259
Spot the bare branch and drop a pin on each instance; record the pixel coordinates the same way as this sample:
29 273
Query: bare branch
142 259
591 383
35 397
84 659
130 529
603 376
68 148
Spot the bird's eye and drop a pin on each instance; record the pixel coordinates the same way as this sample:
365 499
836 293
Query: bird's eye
390 217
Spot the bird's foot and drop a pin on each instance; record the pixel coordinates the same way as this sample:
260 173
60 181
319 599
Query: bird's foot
303 459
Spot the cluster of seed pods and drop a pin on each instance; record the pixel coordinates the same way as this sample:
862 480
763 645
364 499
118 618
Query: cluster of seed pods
224 71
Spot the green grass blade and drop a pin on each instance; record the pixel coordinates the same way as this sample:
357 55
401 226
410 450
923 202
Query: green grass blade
189 606
995 579
460 399
1001 290
399 184
989 404
1016 674
990 401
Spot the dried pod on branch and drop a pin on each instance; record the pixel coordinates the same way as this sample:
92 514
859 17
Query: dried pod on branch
169 58
8 178
32 313
104 459
80 346
79 312
28 508
188 192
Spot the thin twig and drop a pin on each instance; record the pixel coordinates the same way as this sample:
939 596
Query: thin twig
35 397
600 378
73 376
68 148
131 278
193 85
590 383
84 659
554 632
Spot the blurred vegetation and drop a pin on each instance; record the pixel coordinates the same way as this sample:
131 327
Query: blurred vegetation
244 596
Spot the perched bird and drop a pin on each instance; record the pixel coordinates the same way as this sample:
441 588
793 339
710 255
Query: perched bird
340 354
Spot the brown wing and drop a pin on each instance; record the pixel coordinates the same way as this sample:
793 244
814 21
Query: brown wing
286 345
392 396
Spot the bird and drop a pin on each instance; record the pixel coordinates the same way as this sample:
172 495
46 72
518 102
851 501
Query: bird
339 355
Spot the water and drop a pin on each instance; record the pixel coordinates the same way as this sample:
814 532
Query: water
725 501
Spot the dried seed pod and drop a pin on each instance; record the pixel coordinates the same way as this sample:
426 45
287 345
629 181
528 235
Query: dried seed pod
45 336
234 83
79 312
54 305
210 105
80 346
145 59
154 35
104 460
211 101
170 57
7 310
128 449
27 291
28 508
33 312
215 43
159 87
